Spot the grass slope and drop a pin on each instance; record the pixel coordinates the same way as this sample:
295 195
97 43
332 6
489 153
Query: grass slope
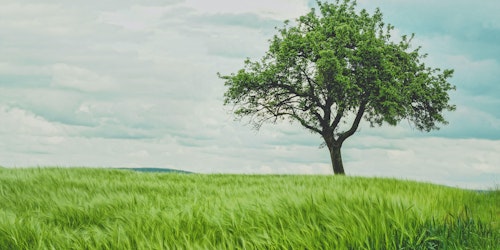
81 208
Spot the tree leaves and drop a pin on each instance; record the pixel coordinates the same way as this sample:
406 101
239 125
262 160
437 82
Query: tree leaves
335 66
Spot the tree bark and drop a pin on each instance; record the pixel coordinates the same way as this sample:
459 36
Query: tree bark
336 156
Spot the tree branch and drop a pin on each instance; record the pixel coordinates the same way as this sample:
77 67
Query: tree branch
337 119
312 90
301 120
355 124
304 123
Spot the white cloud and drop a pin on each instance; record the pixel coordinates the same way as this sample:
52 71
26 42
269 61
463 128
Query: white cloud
136 18
74 77
35 17
133 84
8 68
438 160
19 121
140 154
277 9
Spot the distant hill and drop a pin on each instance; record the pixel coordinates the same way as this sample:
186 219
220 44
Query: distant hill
157 170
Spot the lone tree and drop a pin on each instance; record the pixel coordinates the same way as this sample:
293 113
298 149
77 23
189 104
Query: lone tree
334 68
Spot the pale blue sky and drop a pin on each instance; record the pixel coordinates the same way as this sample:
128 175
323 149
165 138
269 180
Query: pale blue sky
133 84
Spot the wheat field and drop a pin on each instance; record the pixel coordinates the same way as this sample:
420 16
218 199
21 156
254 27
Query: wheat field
91 208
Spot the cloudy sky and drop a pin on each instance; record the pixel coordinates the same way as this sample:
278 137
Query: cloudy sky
129 83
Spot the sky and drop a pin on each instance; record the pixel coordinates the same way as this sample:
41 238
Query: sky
129 83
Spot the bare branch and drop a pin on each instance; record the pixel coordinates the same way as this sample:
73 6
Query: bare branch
355 124
306 125
338 117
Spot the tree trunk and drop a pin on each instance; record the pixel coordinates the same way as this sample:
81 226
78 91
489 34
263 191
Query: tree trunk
335 155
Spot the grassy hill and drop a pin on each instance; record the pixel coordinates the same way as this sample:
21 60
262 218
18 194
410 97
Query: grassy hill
82 208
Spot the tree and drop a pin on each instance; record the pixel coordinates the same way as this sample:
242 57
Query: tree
332 69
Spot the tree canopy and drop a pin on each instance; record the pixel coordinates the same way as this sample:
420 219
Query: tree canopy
332 68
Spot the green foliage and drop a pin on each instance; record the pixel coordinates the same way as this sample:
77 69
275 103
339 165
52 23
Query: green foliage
338 66
335 62
58 208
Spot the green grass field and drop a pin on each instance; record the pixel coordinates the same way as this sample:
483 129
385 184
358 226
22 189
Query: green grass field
83 208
